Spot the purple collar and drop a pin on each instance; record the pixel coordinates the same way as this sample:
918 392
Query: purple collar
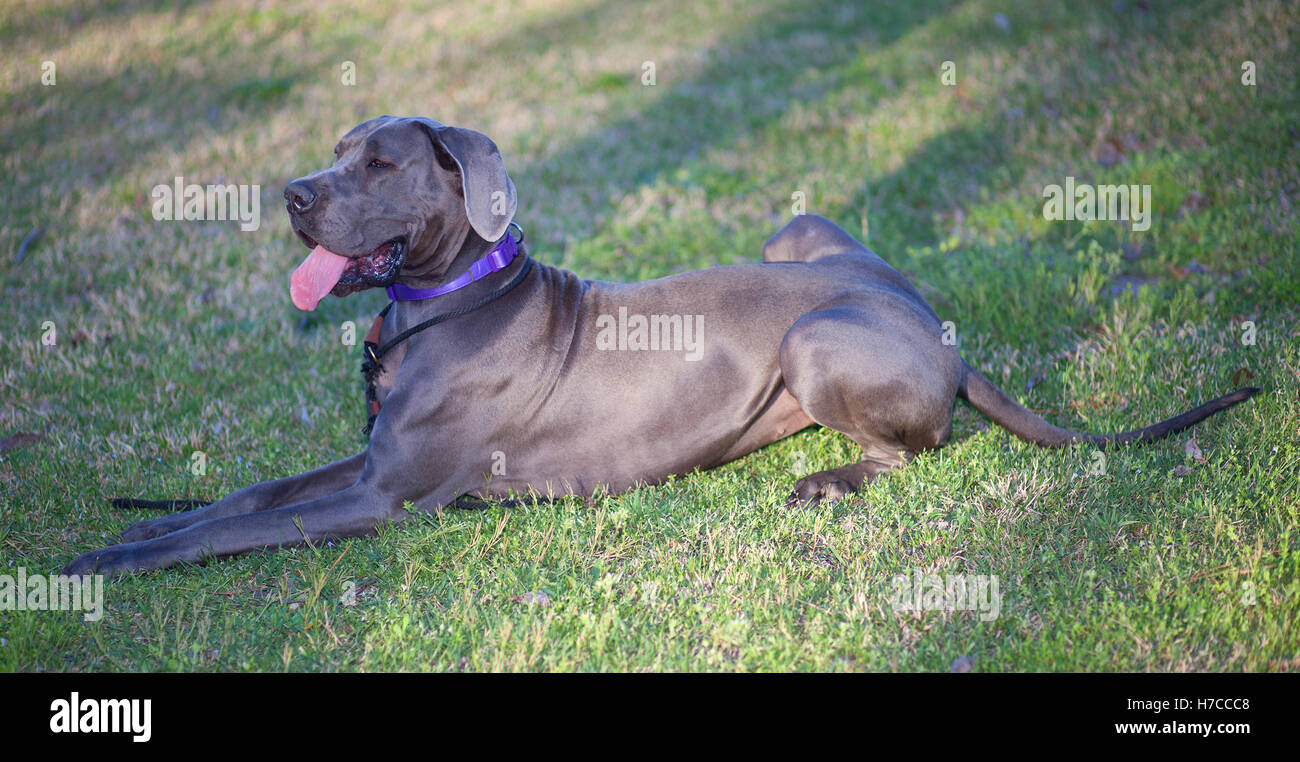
495 261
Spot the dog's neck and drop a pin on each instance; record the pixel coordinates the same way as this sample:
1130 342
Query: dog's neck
437 264
473 249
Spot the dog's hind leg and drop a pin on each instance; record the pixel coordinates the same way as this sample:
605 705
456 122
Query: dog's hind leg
262 496
879 377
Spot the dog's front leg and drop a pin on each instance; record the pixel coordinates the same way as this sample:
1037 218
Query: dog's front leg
262 496
351 512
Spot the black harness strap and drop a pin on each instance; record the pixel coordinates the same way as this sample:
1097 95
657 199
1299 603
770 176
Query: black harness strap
372 352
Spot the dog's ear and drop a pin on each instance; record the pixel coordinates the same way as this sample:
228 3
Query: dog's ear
490 199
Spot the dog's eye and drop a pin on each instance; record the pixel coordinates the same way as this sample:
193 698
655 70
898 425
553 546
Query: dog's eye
377 164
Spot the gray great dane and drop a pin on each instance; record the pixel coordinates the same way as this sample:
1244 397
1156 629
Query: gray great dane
529 379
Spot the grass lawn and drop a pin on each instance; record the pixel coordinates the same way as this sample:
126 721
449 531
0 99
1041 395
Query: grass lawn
176 338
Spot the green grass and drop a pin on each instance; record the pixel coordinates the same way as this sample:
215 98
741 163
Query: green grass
177 337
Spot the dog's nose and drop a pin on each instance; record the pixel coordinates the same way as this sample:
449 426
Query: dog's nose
299 197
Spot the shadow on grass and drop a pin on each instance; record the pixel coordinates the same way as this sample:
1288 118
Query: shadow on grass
755 72
95 127
980 161
85 15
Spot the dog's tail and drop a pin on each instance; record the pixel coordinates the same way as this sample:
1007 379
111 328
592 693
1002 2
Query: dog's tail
1012 416
130 503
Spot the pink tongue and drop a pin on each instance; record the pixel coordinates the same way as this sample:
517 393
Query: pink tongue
314 278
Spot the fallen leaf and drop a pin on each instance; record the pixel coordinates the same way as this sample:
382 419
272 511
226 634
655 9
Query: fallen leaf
962 664
535 597
1193 201
1192 450
1109 156
21 439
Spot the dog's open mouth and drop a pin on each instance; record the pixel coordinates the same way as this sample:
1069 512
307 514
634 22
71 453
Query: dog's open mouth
324 272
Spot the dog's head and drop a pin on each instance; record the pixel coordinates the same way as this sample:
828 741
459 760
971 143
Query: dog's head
403 196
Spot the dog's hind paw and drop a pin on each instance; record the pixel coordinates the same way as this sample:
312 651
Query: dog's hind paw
814 488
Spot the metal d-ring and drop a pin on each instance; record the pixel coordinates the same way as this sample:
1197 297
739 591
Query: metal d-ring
515 225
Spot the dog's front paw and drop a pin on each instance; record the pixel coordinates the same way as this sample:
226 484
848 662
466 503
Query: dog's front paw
113 560
150 528
814 488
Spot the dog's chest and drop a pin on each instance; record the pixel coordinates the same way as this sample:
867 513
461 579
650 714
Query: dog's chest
388 376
